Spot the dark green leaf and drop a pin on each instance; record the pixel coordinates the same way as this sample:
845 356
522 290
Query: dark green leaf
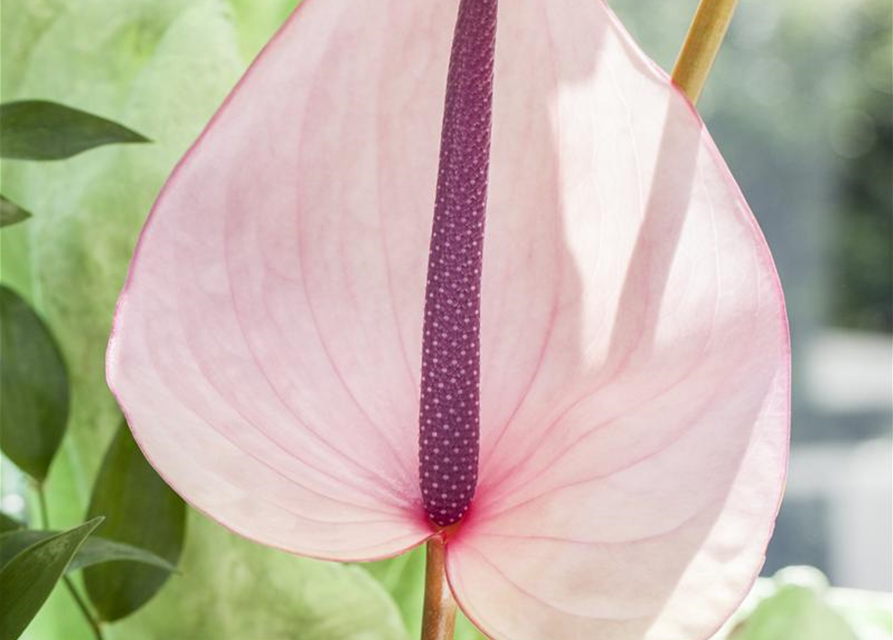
10 212
41 130
95 550
35 398
8 523
141 510
27 580
99 550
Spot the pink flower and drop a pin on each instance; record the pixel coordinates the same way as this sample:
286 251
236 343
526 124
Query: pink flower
619 444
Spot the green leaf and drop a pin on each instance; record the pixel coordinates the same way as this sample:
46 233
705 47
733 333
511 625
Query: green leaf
233 588
794 612
99 550
27 580
35 399
868 612
10 212
8 523
96 550
43 130
142 511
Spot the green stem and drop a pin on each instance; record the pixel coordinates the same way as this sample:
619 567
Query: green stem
78 600
42 502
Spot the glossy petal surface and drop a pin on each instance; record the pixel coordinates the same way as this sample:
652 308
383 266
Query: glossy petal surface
634 355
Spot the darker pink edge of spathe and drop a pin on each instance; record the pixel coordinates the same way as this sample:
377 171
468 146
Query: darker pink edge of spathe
764 254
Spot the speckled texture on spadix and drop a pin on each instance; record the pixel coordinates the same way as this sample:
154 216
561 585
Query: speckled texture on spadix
449 414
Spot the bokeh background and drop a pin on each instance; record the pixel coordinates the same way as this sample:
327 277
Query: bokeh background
801 104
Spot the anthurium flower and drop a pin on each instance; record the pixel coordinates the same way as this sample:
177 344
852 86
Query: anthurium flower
588 402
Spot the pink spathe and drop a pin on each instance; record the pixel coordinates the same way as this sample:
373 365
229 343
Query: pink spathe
635 371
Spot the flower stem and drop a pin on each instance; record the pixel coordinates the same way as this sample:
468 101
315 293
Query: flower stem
78 600
701 45
439 617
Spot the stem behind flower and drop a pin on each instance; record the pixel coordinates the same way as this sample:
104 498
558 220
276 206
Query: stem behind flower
701 45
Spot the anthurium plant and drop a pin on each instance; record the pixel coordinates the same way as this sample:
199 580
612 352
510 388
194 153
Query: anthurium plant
474 276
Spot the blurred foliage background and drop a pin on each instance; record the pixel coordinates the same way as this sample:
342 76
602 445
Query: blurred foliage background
800 103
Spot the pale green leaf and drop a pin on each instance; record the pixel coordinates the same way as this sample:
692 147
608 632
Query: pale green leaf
233 588
798 609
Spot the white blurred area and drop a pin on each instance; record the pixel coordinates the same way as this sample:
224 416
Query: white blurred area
838 508
856 499
848 377
848 372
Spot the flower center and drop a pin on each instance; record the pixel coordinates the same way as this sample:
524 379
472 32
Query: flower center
449 414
